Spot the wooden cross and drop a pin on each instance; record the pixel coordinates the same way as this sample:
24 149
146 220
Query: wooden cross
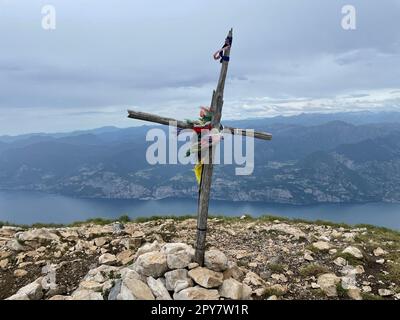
206 178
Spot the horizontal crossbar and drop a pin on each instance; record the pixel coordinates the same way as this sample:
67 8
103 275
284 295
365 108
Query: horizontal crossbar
138 115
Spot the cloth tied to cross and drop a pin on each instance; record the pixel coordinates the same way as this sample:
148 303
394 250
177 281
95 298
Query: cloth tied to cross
206 138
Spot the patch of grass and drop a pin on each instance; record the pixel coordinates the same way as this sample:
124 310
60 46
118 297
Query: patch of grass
342 293
381 235
97 221
375 233
394 273
319 294
370 296
276 267
376 229
313 270
8 224
124 219
47 225
332 224
268 218
270 291
157 218
313 249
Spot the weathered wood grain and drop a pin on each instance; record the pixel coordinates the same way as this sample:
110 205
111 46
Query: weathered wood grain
206 178
138 115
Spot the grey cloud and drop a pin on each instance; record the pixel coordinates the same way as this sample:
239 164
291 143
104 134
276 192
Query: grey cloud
106 56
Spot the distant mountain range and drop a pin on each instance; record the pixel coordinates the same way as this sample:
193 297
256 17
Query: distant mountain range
313 158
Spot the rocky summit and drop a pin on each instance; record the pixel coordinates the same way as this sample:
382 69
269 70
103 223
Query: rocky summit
265 258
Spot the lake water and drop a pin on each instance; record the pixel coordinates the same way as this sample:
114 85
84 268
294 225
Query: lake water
31 207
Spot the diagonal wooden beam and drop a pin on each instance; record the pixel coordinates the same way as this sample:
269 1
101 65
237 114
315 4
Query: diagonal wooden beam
138 115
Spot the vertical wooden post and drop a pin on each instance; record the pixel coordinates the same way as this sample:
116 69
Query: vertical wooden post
205 186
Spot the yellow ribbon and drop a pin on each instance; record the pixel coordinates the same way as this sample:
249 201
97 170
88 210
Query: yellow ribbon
198 170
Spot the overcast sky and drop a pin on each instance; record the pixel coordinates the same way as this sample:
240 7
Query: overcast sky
288 57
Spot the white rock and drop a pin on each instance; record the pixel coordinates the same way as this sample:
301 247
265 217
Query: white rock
3 264
231 289
354 293
332 251
19 273
260 292
246 292
133 289
193 265
215 260
39 235
151 264
183 284
18 296
385 292
128 273
328 283
179 259
308 257
340 262
32 291
321 245
115 290
175 276
315 285
148 247
324 238
380 261
48 282
350 270
366 289
4 255
169 248
253 279
108 259
158 289
100 241
91 285
60 297
336 234
349 282
279 289
206 278
82 294
288 229
138 234
349 236
15 245
69 234
379 252
196 293
125 257
353 251
279 277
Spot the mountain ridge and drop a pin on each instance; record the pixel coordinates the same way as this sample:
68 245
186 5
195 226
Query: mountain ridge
304 164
